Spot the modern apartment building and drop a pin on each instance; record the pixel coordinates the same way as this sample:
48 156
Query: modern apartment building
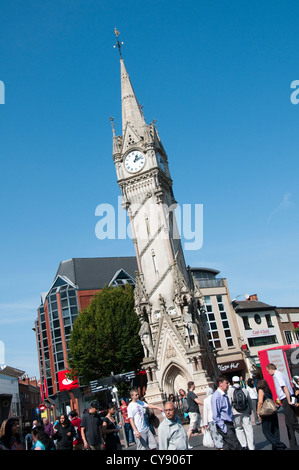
224 335
77 280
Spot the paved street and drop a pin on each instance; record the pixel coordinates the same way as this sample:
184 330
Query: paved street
260 441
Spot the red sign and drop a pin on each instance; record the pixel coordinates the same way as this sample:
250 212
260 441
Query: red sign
42 407
65 382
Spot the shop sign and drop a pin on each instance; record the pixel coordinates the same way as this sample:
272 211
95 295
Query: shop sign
232 366
65 382
260 332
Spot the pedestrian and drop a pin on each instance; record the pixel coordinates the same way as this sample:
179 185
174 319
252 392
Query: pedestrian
223 415
10 436
270 425
111 429
76 422
48 427
172 399
64 433
171 432
91 428
184 403
28 436
242 383
242 407
208 419
252 391
145 439
41 440
194 413
295 384
284 393
128 427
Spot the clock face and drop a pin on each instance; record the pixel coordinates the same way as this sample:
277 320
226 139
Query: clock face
134 161
161 162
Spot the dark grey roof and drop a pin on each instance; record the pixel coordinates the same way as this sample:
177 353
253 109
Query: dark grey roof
206 270
250 305
11 371
94 273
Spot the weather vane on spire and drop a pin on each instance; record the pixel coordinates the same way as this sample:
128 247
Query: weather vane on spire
118 44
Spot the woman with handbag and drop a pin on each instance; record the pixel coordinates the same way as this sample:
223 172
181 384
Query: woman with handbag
268 415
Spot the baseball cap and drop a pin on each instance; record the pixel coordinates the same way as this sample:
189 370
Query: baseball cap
95 404
236 379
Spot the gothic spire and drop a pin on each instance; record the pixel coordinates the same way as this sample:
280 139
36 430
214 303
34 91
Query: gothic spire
131 110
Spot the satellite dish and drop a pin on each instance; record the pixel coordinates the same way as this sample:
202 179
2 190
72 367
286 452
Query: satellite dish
247 296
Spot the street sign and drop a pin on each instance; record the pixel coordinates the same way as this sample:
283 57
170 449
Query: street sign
100 385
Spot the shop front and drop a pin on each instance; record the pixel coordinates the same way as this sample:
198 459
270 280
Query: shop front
232 368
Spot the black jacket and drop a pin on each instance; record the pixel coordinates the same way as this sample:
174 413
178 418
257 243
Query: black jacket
64 442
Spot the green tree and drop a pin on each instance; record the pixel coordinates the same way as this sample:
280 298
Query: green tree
105 336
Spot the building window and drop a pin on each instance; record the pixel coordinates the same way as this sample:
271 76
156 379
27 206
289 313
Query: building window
225 323
269 320
213 335
288 337
262 341
257 319
246 323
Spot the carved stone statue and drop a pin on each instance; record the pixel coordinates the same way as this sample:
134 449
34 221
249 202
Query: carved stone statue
146 338
191 330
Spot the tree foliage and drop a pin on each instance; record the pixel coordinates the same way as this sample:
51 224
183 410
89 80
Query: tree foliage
105 336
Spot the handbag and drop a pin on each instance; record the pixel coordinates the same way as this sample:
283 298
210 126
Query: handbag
268 408
207 439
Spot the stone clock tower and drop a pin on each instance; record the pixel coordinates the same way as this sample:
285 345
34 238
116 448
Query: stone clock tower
169 305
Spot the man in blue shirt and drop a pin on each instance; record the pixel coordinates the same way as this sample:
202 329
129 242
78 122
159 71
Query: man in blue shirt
223 415
285 393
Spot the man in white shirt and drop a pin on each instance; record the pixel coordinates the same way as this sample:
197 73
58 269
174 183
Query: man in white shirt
136 409
171 432
284 393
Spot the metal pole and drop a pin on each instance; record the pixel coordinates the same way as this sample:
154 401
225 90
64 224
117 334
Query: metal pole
119 414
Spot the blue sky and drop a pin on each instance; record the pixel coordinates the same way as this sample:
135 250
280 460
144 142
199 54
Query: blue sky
217 78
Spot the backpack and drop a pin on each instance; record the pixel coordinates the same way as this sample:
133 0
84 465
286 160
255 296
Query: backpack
240 402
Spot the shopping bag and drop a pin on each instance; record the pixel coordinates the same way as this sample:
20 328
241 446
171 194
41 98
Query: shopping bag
207 439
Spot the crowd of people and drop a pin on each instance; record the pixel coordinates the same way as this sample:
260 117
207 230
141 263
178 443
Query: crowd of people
225 418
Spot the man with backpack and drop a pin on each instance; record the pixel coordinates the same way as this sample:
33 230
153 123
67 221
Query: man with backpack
242 406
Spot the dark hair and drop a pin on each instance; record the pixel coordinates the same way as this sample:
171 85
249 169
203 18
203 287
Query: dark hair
250 382
73 413
95 404
40 434
220 378
262 384
6 439
190 384
66 418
